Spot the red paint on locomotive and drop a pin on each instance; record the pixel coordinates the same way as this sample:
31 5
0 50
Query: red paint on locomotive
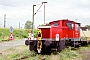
65 28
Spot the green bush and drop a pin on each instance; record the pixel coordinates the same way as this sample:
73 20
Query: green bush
18 33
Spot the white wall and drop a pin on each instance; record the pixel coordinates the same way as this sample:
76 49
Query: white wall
87 33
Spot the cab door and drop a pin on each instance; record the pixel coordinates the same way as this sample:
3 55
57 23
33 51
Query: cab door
70 27
77 30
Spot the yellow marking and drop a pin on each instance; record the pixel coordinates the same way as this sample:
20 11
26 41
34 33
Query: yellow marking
39 43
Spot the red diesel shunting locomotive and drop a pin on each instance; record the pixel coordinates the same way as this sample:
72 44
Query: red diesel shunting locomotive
55 37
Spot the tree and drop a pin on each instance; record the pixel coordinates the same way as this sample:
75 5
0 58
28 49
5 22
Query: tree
87 25
28 25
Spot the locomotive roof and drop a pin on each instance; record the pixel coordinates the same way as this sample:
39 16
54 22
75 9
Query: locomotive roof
65 20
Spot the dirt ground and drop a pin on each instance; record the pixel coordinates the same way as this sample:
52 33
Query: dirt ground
85 55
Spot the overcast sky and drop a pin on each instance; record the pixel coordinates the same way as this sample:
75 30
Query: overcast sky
21 10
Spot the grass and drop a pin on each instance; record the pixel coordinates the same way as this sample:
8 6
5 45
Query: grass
15 53
22 52
68 54
18 33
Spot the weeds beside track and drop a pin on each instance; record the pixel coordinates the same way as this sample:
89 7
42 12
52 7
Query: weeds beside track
23 53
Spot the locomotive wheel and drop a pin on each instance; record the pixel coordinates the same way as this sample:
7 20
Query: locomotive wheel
35 48
31 47
58 48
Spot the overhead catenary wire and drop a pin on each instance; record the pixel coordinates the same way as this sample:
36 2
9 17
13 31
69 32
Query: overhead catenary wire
38 9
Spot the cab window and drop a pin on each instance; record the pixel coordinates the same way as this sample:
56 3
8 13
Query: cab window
55 24
77 27
70 25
